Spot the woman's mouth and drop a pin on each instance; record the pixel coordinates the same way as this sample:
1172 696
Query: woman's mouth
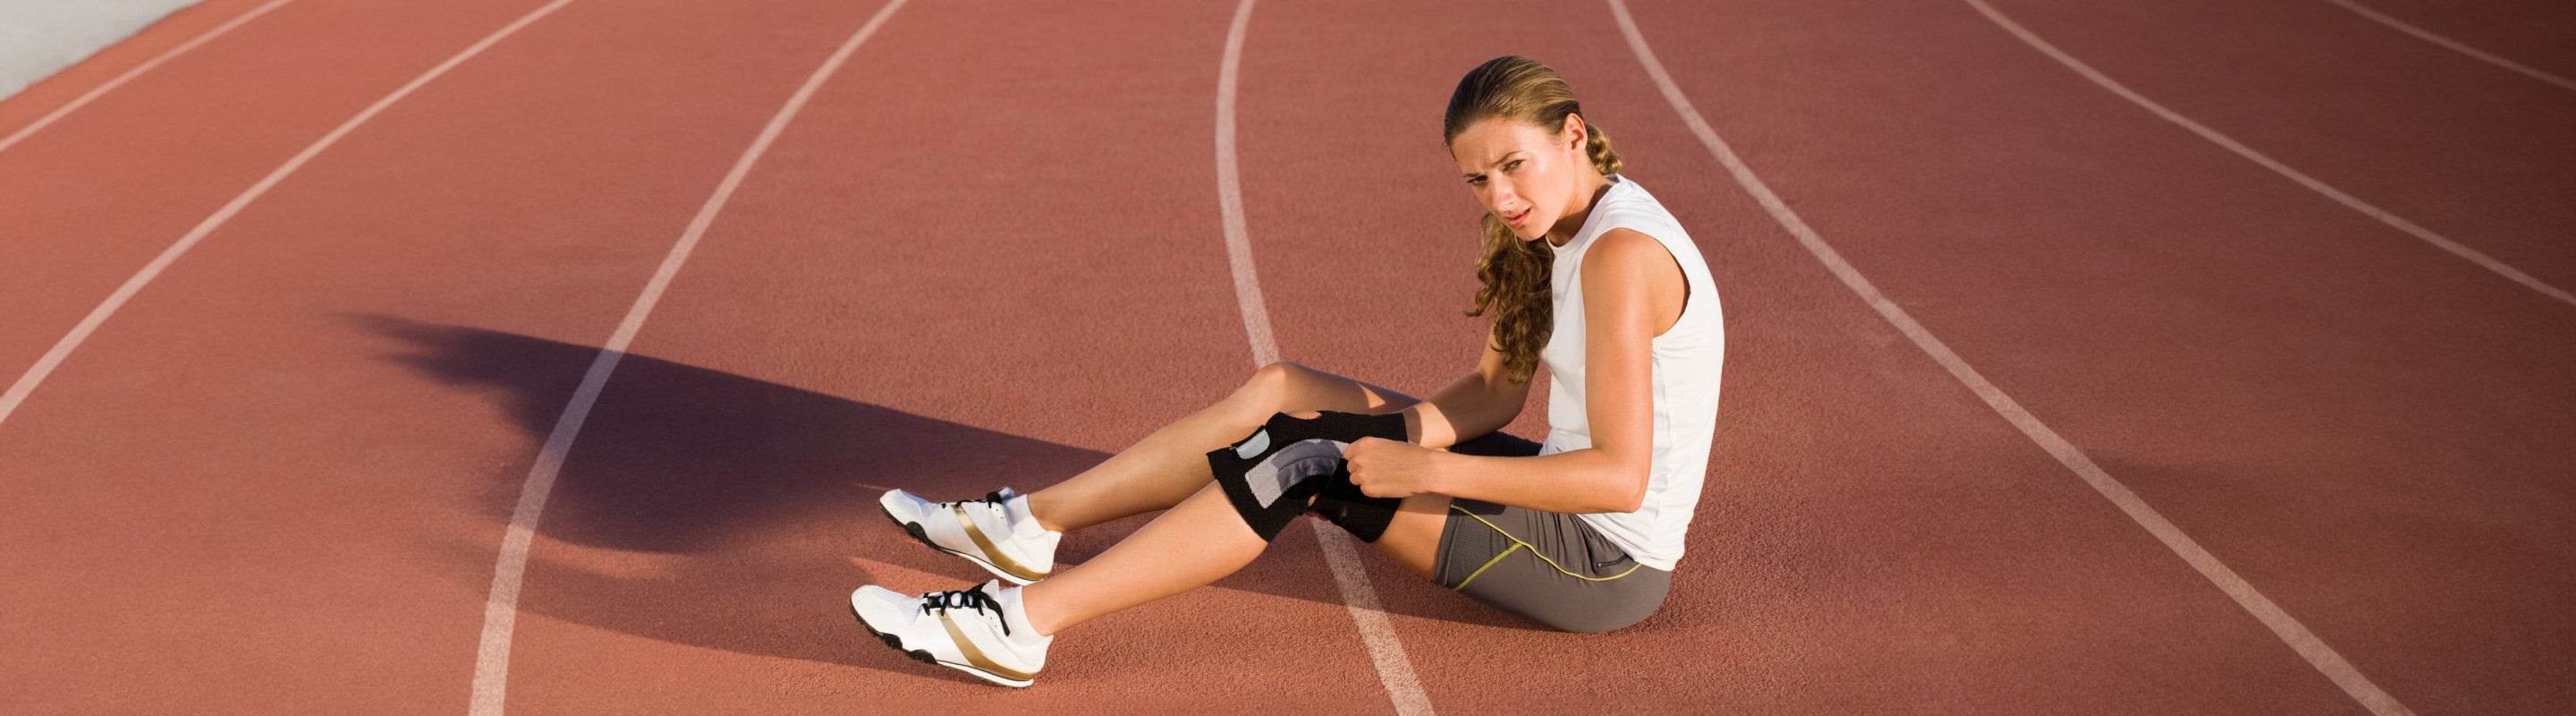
1515 220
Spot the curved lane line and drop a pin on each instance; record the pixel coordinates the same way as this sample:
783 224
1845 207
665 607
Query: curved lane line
147 66
1229 196
53 358
2456 46
1385 650
2348 200
2297 636
501 609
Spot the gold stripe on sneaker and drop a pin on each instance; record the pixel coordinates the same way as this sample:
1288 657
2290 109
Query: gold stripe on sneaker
975 657
991 553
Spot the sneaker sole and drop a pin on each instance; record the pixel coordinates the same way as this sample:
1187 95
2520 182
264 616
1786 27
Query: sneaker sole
924 538
896 643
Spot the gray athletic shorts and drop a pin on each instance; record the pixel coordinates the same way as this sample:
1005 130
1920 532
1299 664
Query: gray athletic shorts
1547 567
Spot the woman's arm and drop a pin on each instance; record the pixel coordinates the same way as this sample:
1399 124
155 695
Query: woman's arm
1476 403
1632 291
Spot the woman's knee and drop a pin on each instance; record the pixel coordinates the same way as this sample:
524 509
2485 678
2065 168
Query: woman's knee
1269 388
1285 387
1280 375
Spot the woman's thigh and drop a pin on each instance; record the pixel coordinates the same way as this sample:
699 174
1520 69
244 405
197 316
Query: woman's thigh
1302 388
1413 538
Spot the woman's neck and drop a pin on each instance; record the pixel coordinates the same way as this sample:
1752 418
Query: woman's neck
1578 212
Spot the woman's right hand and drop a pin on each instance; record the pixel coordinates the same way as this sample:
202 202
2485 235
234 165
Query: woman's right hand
1393 468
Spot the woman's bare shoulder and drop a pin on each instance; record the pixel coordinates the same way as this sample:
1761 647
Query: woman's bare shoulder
1625 254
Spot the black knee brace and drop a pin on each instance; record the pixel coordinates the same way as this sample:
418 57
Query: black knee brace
1270 475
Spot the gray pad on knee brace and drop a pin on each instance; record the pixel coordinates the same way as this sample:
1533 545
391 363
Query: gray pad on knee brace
1270 475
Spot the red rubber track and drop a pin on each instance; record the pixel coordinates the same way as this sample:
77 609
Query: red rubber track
62 88
2534 33
989 253
100 192
2470 150
2369 430
250 491
962 267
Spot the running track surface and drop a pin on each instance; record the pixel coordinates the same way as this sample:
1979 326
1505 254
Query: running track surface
989 250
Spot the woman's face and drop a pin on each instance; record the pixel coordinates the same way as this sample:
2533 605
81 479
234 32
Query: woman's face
1524 173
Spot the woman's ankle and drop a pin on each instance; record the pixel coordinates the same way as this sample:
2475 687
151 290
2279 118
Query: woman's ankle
1040 505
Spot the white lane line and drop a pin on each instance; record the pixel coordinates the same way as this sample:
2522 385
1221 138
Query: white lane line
1229 196
53 358
1385 650
501 609
120 80
2297 636
2348 200
2456 46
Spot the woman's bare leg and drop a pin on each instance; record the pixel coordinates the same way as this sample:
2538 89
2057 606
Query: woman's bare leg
1171 465
1412 539
1196 543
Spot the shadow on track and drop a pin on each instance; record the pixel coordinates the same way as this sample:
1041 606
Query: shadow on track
726 511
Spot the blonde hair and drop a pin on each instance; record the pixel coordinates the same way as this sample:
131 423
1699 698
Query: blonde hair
1516 272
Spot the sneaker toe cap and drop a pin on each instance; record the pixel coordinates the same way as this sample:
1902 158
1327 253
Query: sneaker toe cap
883 608
903 506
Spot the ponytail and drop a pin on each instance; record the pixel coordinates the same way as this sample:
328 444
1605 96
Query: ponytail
1516 273
1596 144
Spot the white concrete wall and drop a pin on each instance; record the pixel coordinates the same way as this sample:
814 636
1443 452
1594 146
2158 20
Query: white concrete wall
40 37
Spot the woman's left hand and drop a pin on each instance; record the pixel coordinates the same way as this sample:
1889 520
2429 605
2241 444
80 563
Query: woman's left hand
1392 468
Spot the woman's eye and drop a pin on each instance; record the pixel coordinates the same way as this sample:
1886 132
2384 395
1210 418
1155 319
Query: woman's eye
1478 181
1514 164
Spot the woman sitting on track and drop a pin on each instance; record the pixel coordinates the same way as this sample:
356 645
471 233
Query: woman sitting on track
1579 534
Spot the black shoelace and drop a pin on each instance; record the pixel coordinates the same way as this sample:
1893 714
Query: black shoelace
975 599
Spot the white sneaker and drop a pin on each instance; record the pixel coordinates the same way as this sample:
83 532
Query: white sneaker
996 532
980 631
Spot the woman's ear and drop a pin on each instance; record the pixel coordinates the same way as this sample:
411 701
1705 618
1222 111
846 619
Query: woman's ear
1575 132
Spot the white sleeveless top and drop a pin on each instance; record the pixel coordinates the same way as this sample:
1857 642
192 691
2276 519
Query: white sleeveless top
1686 363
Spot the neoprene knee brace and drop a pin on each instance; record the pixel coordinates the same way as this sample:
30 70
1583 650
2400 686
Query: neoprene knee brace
1270 474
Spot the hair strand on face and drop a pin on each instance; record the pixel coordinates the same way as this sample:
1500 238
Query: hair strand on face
1516 272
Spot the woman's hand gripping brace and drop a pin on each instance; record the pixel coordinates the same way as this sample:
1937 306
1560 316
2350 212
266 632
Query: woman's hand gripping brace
1295 463
1394 468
